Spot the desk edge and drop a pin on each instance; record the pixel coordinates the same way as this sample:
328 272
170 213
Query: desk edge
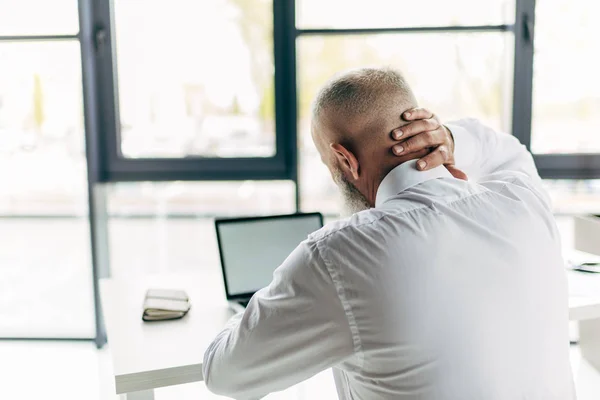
126 383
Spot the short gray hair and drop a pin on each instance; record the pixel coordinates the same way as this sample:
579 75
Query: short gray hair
360 91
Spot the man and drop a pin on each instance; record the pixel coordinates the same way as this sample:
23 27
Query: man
436 288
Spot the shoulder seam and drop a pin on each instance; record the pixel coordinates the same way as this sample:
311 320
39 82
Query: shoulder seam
529 186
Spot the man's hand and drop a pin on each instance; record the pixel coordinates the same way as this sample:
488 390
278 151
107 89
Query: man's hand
426 132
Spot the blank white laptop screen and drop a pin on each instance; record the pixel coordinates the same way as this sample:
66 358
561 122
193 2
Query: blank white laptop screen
251 249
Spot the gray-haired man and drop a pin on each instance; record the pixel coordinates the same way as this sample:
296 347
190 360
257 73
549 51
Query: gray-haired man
436 287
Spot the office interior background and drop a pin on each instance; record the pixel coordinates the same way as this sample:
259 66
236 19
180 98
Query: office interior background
126 126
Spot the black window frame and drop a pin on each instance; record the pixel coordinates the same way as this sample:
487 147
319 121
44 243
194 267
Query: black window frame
111 166
550 166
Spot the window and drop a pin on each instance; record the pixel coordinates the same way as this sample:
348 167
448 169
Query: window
566 86
46 274
31 17
42 157
187 105
184 94
574 197
357 14
168 226
200 199
556 97
220 91
453 72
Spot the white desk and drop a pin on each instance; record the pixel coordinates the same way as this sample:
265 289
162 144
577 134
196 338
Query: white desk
584 307
152 355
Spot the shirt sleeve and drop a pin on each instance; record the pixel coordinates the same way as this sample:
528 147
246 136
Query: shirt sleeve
480 151
290 331
487 156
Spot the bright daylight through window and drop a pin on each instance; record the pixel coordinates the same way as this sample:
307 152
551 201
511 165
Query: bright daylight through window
197 95
402 13
44 226
196 81
566 86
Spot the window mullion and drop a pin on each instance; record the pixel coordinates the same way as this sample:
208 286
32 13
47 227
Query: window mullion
523 71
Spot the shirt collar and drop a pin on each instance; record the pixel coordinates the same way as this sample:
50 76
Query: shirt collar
405 176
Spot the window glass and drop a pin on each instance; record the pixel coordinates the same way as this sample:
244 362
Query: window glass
574 197
402 13
38 17
566 84
42 154
168 227
45 270
196 78
455 75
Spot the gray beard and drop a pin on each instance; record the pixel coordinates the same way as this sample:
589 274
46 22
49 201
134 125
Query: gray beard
353 200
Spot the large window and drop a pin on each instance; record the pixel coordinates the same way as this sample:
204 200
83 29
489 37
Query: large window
454 71
182 105
556 88
192 91
566 84
45 268
220 91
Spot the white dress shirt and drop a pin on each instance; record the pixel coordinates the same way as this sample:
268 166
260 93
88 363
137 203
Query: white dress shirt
446 290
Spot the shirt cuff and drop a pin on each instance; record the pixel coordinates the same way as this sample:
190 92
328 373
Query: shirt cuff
465 146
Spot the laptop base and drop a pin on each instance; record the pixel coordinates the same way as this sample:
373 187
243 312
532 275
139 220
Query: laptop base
238 305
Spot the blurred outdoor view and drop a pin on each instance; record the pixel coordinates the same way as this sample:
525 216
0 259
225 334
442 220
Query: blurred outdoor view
566 95
44 231
195 79
38 17
340 14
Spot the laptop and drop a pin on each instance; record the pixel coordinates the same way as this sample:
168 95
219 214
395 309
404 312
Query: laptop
252 248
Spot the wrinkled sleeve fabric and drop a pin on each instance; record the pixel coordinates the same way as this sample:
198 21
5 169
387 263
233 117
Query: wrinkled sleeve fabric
290 331
486 155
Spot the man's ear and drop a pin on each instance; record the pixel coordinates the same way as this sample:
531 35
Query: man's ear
347 160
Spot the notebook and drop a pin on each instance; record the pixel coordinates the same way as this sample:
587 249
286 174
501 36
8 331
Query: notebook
163 304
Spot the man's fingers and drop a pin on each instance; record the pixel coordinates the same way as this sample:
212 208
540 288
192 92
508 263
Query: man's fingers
414 128
438 157
417 113
457 173
434 159
420 142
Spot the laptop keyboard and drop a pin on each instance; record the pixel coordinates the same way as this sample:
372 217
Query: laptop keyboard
244 303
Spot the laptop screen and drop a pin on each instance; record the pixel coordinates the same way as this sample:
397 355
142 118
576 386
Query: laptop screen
252 248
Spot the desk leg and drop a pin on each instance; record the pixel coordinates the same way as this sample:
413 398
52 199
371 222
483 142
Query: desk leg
589 341
142 395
